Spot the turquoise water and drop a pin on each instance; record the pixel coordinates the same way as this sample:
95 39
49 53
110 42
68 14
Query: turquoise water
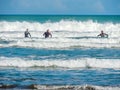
74 56
57 18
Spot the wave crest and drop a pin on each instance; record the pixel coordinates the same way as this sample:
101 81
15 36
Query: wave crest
78 63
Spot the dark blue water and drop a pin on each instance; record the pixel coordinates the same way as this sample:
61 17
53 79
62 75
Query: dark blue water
24 76
68 53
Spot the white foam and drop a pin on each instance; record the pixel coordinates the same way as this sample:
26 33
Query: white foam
74 87
64 34
77 63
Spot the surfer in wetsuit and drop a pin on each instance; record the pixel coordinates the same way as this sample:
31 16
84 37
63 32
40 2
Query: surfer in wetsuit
47 34
27 34
102 34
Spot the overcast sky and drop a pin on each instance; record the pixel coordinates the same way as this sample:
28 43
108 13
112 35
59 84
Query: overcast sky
66 7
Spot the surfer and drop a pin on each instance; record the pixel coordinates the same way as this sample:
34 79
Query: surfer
102 34
27 34
47 33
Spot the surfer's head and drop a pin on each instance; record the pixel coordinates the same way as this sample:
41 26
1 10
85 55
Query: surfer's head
101 31
48 30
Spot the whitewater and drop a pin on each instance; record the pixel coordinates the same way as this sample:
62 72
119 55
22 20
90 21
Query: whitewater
66 34
75 58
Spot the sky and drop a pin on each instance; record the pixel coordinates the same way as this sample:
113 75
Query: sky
58 7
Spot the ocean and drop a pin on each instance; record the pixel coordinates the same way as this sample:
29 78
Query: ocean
75 58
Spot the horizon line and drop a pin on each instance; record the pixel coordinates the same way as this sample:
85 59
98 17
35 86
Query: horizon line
64 14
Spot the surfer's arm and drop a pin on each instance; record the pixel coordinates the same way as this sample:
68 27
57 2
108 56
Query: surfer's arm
106 35
29 34
43 34
98 35
50 34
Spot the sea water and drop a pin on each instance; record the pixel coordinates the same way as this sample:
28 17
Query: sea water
74 58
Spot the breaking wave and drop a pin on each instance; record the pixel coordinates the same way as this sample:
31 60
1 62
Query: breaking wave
66 34
73 64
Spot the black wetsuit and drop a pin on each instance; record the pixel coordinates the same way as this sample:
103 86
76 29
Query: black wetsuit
47 34
27 34
103 35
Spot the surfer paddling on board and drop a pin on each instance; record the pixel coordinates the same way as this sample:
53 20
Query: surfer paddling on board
27 34
47 33
102 34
